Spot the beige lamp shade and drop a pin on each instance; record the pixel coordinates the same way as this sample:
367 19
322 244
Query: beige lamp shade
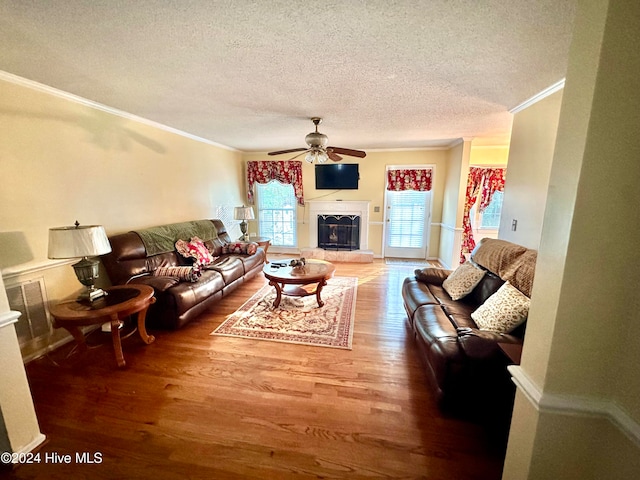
243 213
78 241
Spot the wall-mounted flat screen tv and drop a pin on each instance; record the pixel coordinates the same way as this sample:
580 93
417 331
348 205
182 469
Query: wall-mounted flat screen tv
337 176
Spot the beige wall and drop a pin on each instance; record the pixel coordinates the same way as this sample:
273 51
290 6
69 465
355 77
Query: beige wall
372 187
533 140
489 156
62 161
453 203
580 359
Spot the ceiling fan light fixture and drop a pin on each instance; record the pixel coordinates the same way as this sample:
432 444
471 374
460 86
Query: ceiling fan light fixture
316 155
310 156
322 157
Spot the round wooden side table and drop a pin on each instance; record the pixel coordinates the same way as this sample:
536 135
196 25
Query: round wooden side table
120 302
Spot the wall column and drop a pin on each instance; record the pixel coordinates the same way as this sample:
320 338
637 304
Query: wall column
19 430
577 414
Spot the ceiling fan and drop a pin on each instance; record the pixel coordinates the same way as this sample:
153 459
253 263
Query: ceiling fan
318 151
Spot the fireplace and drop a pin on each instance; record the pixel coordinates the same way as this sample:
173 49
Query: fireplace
345 210
319 208
339 232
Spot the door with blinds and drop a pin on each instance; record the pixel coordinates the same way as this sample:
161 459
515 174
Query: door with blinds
407 220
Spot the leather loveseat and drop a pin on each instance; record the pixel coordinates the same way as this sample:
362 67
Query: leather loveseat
136 255
464 364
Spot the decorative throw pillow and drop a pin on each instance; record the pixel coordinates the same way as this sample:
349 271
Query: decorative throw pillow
463 280
186 274
247 248
195 249
503 311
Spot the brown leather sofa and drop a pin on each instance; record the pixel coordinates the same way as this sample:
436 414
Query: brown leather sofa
133 259
464 363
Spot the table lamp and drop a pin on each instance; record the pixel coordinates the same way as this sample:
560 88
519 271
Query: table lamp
83 241
243 213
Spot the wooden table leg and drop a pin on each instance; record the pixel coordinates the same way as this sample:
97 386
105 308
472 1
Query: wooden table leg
142 329
276 302
77 334
266 249
318 290
115 336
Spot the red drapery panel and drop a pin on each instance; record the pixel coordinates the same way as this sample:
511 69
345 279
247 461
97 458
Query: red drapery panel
285 171
489 180
409 179
474 180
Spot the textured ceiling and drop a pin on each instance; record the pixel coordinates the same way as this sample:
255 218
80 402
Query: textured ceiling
249 74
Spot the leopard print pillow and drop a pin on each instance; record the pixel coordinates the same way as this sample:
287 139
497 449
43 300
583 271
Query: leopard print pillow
503 311
463 280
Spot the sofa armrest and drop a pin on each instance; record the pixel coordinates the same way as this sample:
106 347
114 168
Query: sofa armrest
481 344
159 284
432 275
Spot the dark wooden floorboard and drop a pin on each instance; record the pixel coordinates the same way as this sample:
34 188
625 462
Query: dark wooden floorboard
197 406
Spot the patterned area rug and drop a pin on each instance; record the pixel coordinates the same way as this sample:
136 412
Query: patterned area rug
298 319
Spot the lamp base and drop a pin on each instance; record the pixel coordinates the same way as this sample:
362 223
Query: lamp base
92 295
243 228
87 272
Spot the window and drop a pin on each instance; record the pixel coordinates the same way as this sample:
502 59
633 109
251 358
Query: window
407 215
490 218
277 213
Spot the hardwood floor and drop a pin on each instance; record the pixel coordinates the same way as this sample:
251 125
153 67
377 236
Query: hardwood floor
197 406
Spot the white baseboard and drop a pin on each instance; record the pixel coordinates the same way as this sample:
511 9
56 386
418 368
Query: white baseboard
31 446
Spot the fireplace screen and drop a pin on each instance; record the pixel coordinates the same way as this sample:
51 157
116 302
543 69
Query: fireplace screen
339 232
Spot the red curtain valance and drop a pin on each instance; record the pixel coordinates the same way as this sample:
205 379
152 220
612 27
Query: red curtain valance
409 179
489 180
285 171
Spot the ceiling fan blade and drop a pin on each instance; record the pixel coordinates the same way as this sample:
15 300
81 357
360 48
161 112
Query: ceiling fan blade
280 152
348 151
300 154
333 156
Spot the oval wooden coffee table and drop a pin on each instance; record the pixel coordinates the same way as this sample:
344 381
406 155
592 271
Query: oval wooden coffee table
292 281
120 302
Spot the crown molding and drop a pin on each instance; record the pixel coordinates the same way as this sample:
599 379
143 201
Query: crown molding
456 142
33 85
539 96
406 149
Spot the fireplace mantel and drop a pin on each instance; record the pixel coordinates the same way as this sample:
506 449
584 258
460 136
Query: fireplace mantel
339 207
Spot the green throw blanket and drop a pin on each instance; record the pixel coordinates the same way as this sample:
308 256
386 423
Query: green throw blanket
163 239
